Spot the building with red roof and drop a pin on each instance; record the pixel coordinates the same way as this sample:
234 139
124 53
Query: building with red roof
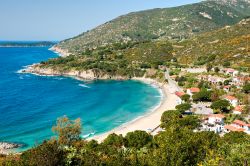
232 100
192 91
179 94
238 109
229 128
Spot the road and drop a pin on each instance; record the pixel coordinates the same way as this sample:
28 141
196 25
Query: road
172 84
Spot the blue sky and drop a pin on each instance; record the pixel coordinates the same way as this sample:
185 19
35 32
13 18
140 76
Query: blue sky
61 19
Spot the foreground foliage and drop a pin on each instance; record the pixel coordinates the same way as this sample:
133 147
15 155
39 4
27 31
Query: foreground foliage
176 145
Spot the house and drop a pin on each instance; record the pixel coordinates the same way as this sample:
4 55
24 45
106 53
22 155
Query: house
240 81
192 91
216 119
229 128
179 95
232 100
240 124
238 110
227 88
215 79
231 72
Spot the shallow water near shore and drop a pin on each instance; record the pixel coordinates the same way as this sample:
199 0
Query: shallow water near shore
30 104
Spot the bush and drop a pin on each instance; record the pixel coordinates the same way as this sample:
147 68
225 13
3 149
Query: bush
221 105
203 95
137 139
183 107
114 140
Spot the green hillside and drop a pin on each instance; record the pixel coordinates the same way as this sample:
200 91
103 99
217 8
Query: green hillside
127 60
170 23
227 44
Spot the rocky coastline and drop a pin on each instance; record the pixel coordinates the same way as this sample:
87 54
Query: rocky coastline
6 147
60 51
81 75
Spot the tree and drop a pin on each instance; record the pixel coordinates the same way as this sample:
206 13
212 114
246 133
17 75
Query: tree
183 107
137 139
221 105
170 115
227 82
203 95
246 88
216 69
47 153
67 130
215 95
226 64
191 122
209 67
185 97
114 140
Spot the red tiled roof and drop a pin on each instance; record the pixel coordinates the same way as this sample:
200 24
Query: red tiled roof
239 122
227 87
243 78
217 116
238 108
230 98
194 90
179 94
229 70
232 128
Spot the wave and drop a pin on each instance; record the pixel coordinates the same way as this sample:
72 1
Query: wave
88 135
83 85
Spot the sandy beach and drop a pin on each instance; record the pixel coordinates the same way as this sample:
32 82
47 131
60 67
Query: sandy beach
152 119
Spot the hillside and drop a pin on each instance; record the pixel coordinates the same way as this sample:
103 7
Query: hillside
226 44
170 23
116 61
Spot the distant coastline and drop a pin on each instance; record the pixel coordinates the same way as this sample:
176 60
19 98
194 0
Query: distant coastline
27 44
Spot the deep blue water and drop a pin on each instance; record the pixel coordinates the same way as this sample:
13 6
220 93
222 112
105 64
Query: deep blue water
30 104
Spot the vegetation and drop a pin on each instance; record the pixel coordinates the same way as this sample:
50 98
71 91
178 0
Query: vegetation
159 24
229 45
176 145
246 88
222 105
183 107
203 95
128 60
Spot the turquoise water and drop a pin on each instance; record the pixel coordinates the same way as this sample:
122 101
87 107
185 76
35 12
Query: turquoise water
30 104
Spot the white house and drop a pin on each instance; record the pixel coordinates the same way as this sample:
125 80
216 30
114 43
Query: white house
179 95
231 72
192 91
227 88
240 81
216 119
238 110
232 100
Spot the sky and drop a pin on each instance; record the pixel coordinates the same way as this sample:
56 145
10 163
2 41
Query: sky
56 20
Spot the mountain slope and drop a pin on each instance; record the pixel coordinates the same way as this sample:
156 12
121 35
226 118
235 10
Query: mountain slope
230 44
170 23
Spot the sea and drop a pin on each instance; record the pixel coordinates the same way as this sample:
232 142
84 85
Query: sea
30 104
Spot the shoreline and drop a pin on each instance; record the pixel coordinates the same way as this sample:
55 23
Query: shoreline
59 51
149 120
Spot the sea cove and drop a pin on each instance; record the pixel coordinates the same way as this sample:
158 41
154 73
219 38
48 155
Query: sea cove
30 104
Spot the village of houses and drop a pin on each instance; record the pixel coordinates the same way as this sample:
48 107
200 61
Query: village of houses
228 81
